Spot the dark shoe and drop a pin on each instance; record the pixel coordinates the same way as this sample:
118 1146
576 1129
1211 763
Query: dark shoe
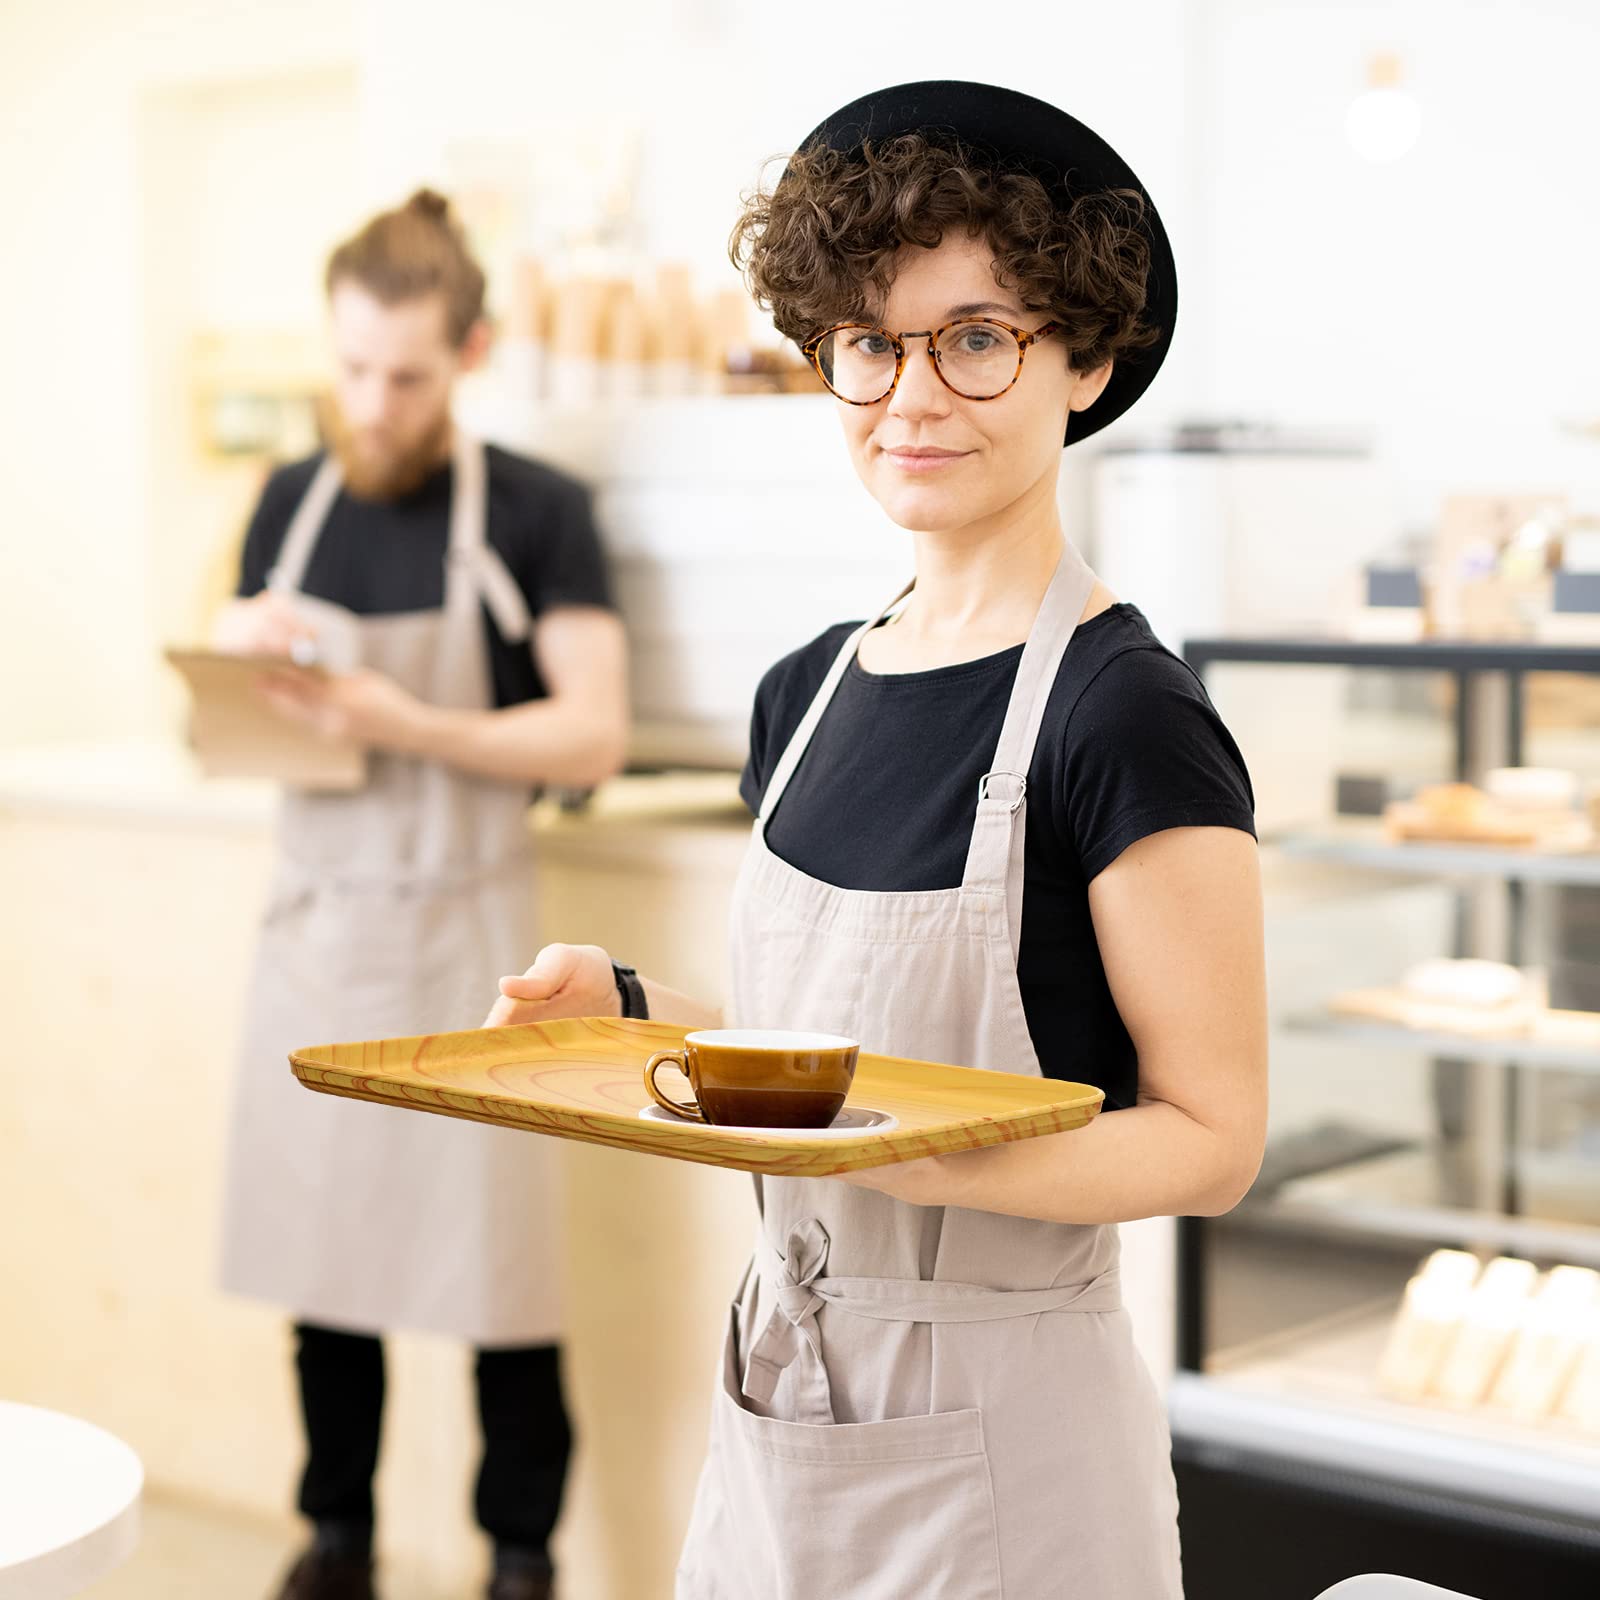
320 1575
521 1586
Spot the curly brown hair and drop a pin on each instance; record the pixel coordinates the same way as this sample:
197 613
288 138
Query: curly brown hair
820 246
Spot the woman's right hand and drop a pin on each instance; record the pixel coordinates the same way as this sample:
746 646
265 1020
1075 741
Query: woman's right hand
565 980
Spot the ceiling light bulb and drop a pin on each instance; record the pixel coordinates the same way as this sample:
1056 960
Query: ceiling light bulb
1383 122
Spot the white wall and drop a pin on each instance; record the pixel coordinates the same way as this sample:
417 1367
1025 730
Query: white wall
1442 297
245 184
77 636
718 86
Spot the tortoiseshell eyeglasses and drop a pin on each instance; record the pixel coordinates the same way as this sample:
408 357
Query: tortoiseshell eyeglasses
978 358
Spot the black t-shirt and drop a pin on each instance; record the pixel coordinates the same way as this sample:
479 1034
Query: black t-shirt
886 796
377 559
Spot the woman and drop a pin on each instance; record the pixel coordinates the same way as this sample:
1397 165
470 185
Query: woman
1007 830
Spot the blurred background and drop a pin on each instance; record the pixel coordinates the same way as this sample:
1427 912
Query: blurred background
1363 497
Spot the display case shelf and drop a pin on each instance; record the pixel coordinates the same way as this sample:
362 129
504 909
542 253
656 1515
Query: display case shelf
1487 1143
1434 1194
1363 845
1427 1225
1315 1401
1511 1050
1423 655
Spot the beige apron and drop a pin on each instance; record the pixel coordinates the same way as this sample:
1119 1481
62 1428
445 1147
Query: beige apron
924 1403
391 910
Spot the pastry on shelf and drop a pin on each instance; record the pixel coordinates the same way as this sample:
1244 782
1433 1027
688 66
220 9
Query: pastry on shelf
1465 982
1547 1349
1580 1400
1502 1337
1551 791
1468 996
1517 808
1429 1314
1490 1323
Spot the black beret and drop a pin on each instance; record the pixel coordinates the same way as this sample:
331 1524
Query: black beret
1019 133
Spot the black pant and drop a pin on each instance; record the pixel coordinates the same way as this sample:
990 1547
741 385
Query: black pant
527 1439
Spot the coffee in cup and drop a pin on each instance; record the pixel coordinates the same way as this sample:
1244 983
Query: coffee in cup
759 1077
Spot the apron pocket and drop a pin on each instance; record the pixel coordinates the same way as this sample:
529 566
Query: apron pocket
896 1510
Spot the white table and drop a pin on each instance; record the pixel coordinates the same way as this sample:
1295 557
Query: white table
69 1503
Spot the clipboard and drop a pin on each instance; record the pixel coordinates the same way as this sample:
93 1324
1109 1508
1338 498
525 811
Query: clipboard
235 734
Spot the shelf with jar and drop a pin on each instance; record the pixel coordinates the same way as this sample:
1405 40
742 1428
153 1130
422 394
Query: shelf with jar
586 336
1396 1336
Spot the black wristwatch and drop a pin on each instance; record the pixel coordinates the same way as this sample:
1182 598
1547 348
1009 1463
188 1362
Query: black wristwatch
630 991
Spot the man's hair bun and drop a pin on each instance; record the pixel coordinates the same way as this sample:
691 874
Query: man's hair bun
431 204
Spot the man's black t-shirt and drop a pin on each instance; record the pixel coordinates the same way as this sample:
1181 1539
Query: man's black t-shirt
377 559
887 793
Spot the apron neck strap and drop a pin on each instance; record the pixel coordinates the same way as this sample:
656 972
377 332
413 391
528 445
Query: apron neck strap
473 564
1057 620
461 628
469 493
289 571
995 856
796 747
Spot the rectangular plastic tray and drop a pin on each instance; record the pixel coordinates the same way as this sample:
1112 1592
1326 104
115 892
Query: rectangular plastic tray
583 1079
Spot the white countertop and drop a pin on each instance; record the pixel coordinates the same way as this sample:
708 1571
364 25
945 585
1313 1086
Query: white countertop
153 781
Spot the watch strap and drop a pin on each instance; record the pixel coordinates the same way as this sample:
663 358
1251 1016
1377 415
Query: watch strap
631 992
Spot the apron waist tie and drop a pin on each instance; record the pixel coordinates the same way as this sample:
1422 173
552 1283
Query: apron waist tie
800 1290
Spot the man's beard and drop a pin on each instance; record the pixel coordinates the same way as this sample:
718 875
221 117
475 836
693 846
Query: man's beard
375 470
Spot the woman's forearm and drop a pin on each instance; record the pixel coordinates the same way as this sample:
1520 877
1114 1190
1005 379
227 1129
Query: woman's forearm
1151 1160
669 1005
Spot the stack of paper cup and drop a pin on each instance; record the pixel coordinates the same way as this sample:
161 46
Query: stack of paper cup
677 331
524 341
576 332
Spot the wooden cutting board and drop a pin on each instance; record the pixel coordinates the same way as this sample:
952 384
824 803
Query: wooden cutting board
584 1079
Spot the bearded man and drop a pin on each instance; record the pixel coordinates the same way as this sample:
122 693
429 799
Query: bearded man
457 595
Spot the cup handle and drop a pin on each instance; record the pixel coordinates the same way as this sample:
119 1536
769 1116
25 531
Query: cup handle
670 1058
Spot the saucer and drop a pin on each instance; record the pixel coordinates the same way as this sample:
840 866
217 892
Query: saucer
851 1122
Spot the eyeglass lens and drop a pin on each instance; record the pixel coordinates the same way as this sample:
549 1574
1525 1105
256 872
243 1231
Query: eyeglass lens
977 359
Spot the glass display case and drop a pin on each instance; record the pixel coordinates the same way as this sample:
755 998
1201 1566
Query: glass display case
1389 1353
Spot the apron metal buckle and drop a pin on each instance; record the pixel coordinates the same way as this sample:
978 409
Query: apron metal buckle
1022 787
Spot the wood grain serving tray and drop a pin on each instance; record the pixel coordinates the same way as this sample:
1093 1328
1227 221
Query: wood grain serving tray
583 1079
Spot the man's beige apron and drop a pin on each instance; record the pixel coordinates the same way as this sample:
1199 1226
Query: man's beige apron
391 912
924 1403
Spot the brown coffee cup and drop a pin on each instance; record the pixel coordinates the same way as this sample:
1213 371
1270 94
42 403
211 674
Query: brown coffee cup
759 1077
